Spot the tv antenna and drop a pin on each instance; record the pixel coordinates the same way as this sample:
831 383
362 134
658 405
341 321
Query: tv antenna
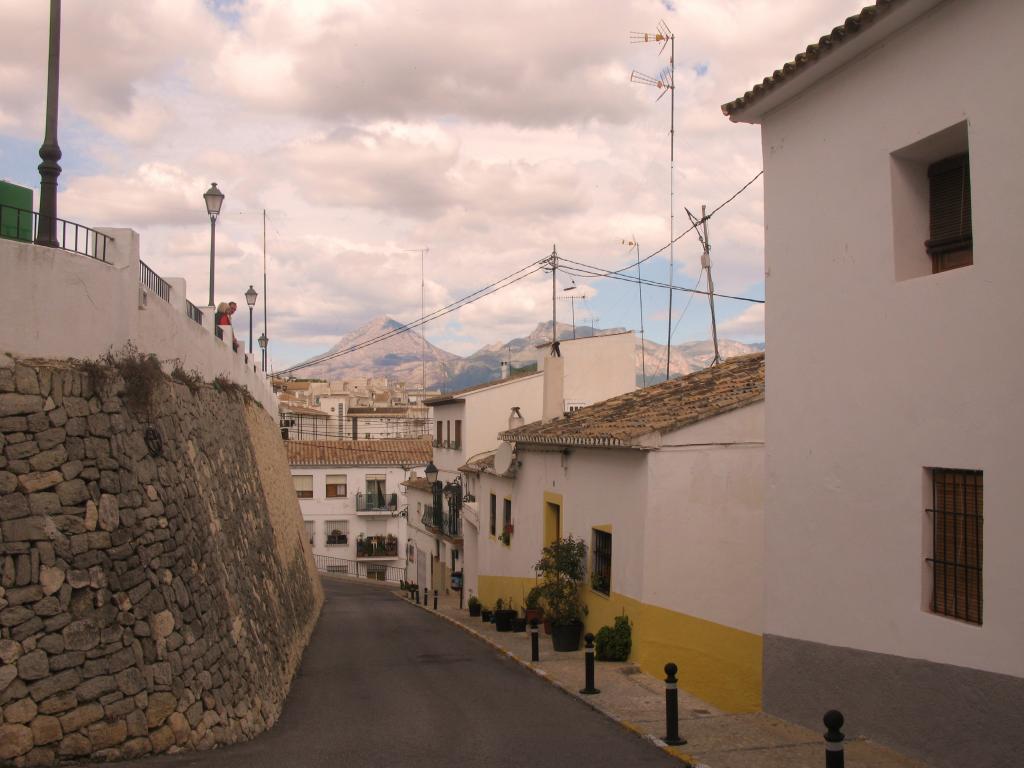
572 299
665 82
705 263
423 328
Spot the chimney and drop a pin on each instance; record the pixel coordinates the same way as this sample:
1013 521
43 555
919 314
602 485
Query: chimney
515 419
505 369
554 398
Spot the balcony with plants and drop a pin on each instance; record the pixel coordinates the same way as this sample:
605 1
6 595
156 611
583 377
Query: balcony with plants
376 503
377 546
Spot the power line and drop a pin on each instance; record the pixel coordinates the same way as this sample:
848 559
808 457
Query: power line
587 270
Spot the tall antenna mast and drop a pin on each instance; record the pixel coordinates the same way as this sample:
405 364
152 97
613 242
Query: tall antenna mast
640 287
666 81
554 296
265 291
423 328
705 263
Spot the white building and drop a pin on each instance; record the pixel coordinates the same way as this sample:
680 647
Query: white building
893 196
665 486
353 503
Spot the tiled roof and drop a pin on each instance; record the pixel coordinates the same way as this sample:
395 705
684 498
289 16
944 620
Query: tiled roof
452 397
850 28
418 484
394 452
482 462
663 407
291 407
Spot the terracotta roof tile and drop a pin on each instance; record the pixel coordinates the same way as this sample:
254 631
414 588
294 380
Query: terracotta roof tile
853 25
303 410
418 484
393 452
663 407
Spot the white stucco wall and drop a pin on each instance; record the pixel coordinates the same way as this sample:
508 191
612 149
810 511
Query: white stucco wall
875 376
57 304
596 368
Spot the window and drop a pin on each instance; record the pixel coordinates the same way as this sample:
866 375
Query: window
376 490
494 514
337 532
448 434
951 241
956 517
506 521
337 486
439 435
310 527
458 434
303 486
601 562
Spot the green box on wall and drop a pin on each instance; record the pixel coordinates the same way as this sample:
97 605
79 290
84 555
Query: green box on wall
15 211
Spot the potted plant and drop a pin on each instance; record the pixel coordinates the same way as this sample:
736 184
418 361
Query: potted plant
474 606
504 615
485 614
562 568
534 605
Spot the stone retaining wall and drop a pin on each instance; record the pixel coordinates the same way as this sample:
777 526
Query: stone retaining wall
154 595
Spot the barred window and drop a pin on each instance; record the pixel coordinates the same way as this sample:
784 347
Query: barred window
310 527
337 486
337 532
956 560
601 562
303 486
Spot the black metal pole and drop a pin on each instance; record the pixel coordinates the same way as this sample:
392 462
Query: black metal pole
426 595
49 169
435 599
672 706
213 251
250 330
534 641
834 739
589 662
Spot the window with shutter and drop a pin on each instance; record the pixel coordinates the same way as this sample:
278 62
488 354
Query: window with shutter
956 561
303 486
336 486
950 242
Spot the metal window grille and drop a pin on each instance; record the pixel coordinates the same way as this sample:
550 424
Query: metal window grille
337 532
601 563
956 560
310 527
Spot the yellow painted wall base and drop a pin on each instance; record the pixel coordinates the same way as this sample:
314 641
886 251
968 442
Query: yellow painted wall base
719 664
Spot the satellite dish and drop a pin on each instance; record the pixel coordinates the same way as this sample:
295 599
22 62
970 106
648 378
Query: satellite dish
503 458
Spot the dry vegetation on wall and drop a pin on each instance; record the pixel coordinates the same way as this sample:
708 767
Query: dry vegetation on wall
154 594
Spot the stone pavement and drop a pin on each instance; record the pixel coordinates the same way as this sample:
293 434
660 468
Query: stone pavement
715 739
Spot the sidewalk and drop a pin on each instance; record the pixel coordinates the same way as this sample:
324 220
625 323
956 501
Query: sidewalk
637 701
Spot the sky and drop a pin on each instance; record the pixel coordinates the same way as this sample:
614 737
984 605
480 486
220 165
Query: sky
367 130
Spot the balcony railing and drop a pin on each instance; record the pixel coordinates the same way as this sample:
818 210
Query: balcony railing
343 567
436 519
21 224
154 282
377 546
195 314
376 502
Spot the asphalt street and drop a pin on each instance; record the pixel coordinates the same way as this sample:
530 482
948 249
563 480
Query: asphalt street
384 683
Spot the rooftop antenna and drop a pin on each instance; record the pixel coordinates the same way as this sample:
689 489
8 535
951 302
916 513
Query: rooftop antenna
553 261
640 287
423 327
665 82
705 263
572 303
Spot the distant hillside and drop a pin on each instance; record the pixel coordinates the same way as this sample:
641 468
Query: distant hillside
398 357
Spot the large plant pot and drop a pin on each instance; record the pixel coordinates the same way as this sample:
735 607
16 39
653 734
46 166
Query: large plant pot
566 637
503 620
547 626
474 610
534 613
485 615
518 624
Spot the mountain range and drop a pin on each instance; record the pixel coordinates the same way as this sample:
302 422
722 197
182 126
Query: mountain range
398 356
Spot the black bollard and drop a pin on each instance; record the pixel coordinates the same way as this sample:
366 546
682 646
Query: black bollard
435 599
833 739
426 595
589 661
672 707
534 641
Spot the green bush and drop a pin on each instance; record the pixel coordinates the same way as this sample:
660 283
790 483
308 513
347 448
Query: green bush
614 643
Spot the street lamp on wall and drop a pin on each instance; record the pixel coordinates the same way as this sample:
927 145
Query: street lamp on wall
262 341
250 299
431 472
214 200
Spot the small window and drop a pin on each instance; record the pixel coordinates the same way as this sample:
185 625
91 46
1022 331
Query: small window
506 522
310 527
956 527
458 435
337 486
439 434
494 514
601 563
337 532
951 241
448 434
303 486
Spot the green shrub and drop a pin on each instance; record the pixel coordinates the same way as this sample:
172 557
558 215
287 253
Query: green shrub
614 643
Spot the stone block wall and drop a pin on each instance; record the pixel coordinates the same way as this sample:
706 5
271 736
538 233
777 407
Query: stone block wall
155 595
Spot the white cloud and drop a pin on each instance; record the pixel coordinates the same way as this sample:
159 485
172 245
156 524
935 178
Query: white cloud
747 326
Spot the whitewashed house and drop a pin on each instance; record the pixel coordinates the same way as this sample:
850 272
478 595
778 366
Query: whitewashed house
893 197
665 486
353 502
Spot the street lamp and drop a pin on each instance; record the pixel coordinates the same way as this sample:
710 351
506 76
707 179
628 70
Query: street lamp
49 152
250 299
214 200
431 473
262 340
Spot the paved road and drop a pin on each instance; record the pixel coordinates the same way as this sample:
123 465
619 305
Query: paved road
385 684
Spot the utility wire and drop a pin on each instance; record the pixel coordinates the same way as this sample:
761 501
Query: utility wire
580 269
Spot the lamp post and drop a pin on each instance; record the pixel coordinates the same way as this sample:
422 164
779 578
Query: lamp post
214 200
49 169
250 299
262 340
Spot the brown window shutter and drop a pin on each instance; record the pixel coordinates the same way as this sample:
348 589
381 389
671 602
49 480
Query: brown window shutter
949 206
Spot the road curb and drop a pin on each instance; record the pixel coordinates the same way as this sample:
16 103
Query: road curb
684 758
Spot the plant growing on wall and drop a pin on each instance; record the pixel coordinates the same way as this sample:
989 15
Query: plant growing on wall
614 643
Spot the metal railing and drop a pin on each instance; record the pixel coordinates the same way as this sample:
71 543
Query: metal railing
153 281
21 224
444 523
374 571
195 314
377 546
218 331
376 502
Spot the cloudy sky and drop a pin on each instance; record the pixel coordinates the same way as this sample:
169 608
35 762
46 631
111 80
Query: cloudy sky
486 132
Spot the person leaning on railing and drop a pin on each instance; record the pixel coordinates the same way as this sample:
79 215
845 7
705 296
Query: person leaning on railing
223 317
